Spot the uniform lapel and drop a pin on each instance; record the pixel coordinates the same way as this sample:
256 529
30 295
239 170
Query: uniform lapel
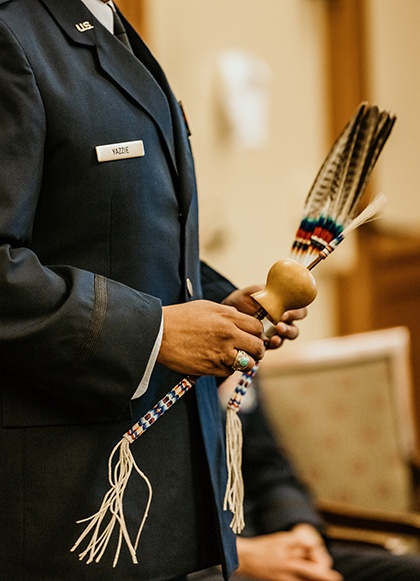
126 70
184 160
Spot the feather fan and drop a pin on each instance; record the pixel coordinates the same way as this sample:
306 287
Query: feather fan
329 215
333 199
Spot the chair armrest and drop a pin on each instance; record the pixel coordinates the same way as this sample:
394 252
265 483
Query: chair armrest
394 543
341 514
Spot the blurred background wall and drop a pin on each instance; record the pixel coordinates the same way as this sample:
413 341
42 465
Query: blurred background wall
310 62
393 71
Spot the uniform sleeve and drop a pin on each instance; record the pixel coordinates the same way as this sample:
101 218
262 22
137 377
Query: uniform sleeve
215 286
76 335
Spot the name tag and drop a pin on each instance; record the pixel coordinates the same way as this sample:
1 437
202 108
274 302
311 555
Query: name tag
115 151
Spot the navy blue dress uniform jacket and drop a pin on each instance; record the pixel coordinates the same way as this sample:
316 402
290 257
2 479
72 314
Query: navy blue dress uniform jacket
89 253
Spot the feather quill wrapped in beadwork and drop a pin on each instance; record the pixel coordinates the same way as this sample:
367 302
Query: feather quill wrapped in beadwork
329 215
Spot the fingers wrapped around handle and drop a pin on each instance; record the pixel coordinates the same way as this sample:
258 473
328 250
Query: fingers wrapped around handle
203 338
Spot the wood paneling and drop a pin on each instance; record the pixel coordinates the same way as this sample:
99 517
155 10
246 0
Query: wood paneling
345 57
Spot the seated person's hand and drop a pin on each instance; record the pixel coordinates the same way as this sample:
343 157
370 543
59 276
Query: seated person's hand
296 555
286 329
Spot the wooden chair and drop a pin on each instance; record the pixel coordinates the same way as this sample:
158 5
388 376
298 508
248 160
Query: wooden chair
342 408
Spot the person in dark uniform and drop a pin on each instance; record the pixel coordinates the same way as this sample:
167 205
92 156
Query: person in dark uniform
104 303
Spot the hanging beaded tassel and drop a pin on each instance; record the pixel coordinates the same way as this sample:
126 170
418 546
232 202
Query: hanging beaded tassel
118 476
112 504
234 495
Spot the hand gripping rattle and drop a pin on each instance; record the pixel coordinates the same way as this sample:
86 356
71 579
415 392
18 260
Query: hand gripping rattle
328 217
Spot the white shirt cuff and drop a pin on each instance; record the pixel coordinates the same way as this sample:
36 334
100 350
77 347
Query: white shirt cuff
144 383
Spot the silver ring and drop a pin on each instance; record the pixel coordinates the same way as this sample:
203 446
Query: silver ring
241 361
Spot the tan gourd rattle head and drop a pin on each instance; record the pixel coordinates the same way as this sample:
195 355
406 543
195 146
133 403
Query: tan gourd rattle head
289 285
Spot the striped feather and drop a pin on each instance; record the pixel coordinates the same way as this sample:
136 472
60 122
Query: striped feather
333 199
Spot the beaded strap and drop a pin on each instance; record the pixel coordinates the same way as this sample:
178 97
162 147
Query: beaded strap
235 401
160 408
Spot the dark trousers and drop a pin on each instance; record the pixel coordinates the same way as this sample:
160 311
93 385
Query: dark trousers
360 564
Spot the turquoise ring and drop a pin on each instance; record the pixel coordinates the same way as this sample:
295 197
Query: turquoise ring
241 361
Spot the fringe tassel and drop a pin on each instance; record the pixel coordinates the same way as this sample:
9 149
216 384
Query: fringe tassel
118 478
112 505
234 494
